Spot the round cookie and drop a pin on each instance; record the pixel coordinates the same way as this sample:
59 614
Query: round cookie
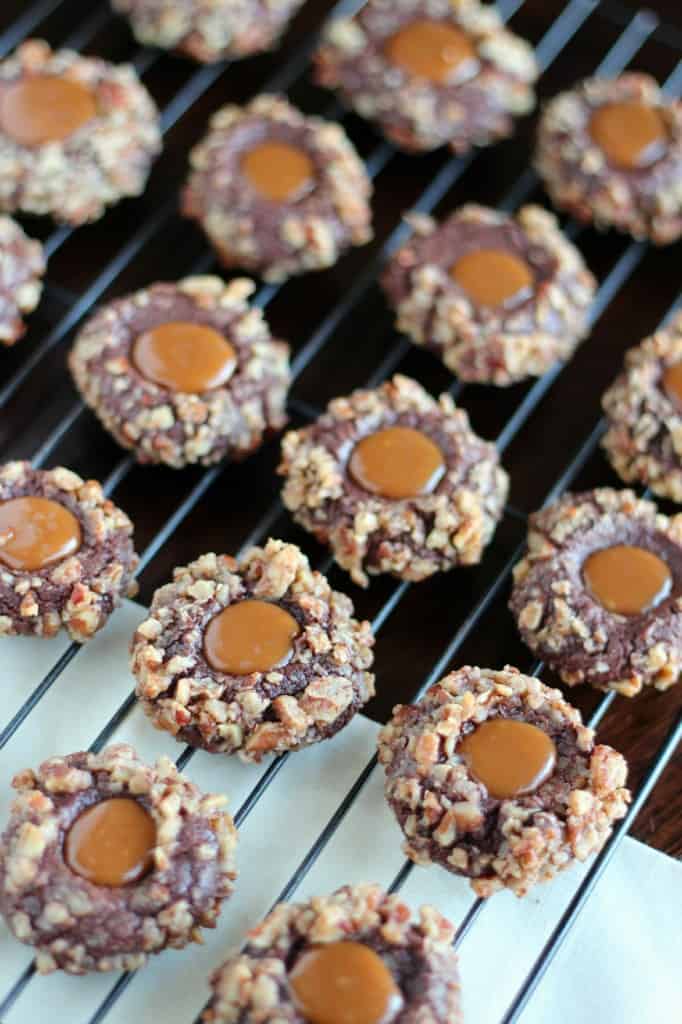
66 553
493 776
209 30
643 407
358 951
22 265
498 298
430 72
599 594
276 192
394 481
87 901
76 133
185 372
252 657
610 152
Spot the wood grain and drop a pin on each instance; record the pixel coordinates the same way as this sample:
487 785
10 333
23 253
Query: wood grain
429 615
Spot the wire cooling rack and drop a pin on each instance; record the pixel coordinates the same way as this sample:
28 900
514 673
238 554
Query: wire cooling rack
41 419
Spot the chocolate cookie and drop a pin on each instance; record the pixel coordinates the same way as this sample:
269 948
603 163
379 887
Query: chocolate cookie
106 860
430 72
76 133
498 298
209 30
22 265
252 657
644 411
185 372
610 152
493 776
277 192
599 594
66 553
394 481
356 951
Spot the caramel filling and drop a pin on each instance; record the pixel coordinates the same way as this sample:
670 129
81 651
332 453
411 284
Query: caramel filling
433 50
36 532
631 135
672 382
397 462
344 983
45 108
279 172
510 758
493 277
627 580
249 636
184 357
112 843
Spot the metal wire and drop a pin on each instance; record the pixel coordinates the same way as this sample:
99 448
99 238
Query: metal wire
637 30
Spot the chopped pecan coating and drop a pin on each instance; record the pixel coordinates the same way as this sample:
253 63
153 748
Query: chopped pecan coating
418 954
292 236
645 202
562 621
22 265
369 534
644 436
312 696
77 926
79 592
489 344
413 112
107 158
209 30
449 818
175 427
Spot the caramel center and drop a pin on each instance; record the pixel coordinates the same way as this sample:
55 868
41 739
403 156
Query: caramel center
45 108
36 532
672 382
184 357
112 842
630 134
627 580
249 636
397 462
434 50
344 983
510 758
279 172
493 277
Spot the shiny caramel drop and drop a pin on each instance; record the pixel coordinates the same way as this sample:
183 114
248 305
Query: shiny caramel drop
631 135
509 757
45 108
185 357
36 532
672 382
627 580
344 983
397 462
279 172
112 843
434 50
249 636
493 277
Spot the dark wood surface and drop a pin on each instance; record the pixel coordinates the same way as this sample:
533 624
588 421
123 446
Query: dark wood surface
420 627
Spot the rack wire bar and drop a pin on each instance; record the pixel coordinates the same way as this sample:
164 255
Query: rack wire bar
637 30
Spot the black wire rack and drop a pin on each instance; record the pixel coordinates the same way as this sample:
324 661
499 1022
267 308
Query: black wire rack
184 92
